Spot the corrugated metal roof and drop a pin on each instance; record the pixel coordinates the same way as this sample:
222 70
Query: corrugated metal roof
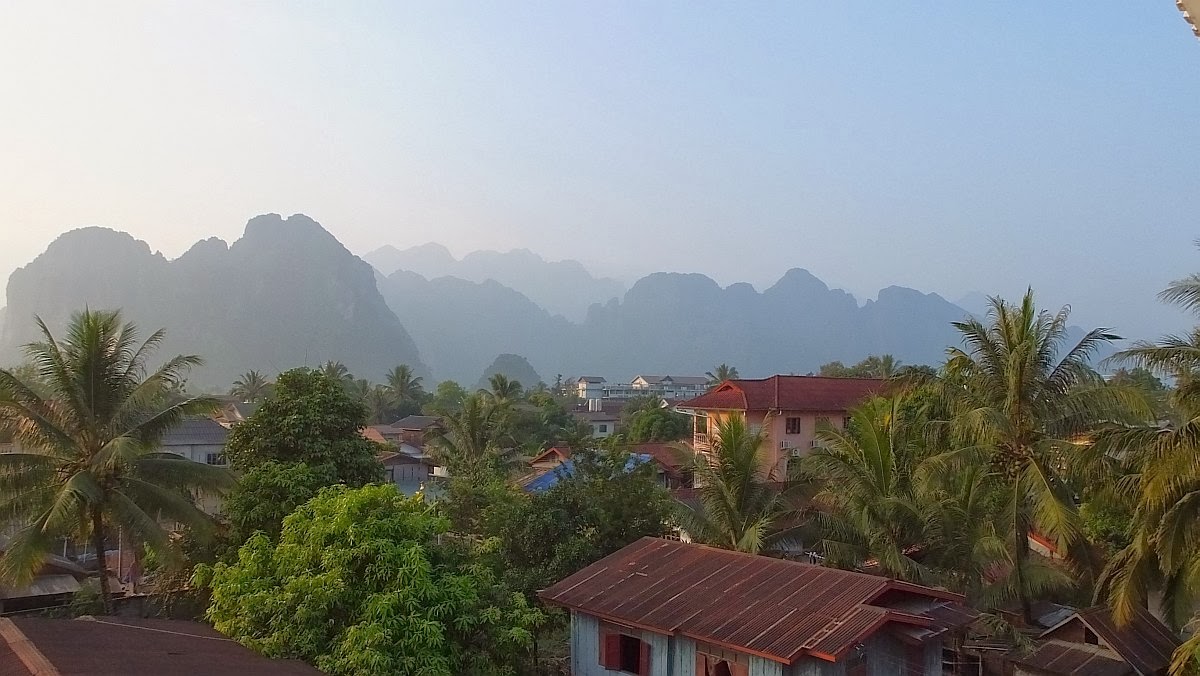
196 432
1145 642
777 609
416 422
1066 659
788 393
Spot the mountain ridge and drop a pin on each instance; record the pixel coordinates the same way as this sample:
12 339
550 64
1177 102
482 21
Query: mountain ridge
288 293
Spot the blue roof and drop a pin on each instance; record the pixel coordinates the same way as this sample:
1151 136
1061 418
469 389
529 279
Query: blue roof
550 479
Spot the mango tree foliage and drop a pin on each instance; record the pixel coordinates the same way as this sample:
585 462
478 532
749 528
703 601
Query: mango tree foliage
365 581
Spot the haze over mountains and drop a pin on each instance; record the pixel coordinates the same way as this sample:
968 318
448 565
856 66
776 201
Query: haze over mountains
287 294
562 287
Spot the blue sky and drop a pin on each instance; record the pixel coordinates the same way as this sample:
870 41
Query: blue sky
952 148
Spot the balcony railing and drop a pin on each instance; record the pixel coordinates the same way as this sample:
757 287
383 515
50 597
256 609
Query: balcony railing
701 443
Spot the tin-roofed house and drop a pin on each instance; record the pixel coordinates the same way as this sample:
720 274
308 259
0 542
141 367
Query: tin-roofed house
1091 643
665 608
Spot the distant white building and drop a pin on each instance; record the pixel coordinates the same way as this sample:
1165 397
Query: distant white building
664 387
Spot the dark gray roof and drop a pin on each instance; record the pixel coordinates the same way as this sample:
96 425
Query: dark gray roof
416 422
196 432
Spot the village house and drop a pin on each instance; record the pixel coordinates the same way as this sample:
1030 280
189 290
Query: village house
787 409
601 415
666 608
670 464
1091 643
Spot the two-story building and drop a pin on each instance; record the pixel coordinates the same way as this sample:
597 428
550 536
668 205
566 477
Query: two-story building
787 409
667 608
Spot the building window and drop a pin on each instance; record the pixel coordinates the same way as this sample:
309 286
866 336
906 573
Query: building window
792 425
846 423
603 428
622 652
391 474
214 459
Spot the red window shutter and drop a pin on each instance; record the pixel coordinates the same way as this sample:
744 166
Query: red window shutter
610 650
739 669
701 664
644 659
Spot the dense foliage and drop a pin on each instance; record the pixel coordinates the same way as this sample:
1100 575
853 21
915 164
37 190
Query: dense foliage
647 419
366 581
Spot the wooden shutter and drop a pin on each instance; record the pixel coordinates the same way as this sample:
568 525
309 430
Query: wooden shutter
701 664
610 650
739 669
644 659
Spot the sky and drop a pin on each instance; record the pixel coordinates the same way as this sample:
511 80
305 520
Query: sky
948 146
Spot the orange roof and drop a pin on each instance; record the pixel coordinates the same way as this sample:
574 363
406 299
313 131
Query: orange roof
563 453
372 434
788 393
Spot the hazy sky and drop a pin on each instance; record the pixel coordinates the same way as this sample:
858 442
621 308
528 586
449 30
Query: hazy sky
960 146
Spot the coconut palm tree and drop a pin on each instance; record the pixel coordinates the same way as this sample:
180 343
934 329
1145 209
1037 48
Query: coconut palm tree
405 386
337 371
1161 479
89 462
250 387
504 390
467 440
740 506
1019 402
720 374
379 401
872 507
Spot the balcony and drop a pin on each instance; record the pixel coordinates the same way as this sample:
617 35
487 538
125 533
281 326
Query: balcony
701 443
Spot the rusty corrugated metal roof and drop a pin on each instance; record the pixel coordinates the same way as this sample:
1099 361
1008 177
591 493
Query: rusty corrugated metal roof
1145 643
777 609
1066 659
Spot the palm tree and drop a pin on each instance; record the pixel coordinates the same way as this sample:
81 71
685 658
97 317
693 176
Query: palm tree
405 386
740 508
250 387
873 511
337 371
379 401
720 374
360 389
466 441
89 462
504 390
1020 403
1161 478
881 366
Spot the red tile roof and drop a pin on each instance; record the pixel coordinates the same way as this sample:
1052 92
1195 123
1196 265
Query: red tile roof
777 609
788 393
111 646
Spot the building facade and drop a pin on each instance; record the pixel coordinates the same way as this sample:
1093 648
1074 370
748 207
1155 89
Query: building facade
787 409
665 608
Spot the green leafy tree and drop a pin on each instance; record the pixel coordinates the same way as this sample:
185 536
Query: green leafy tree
602 506
720 374
360 584
251 387
874 366
311 419
1020 402
647 419
739 506
89 460
266 494
447 399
